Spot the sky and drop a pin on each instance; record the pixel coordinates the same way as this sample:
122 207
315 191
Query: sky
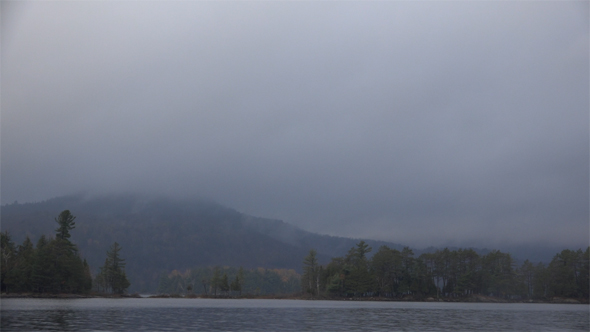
423 123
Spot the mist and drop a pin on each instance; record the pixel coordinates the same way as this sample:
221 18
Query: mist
423 123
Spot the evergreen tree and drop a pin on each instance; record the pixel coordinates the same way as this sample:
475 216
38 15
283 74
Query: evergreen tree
527 273
87 276
387 266
498 276
7 263
66 224
541 281
362 249
407 272
240 280
235 285
224 284
568 274
310 278
42 271
216 280
53 266
24 266
113 271
584 278
69 275
359 279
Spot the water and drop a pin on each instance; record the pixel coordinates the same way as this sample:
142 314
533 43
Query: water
284 315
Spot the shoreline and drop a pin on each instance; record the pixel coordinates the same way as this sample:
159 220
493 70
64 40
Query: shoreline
65 296
470 299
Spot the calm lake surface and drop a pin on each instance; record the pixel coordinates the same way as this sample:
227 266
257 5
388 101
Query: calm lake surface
284 315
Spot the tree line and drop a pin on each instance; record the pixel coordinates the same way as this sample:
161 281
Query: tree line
445 274
54 265
230 282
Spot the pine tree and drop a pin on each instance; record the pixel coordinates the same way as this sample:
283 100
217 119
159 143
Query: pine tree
359 280
7 253
224 284
66 224
362 250
310 278
87 281
42 270
113 271
24 266
236 285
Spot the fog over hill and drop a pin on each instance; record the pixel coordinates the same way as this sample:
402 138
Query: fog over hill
160 234
427 123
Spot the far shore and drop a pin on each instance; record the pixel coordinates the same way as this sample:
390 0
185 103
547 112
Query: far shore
470 299
64 296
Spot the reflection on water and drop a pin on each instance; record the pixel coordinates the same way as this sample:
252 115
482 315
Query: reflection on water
284 315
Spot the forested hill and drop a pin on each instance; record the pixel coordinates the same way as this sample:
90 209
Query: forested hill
159 235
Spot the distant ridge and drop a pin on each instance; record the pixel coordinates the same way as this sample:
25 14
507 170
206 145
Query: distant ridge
160 234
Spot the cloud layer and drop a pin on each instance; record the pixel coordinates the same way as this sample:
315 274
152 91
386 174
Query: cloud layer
421 123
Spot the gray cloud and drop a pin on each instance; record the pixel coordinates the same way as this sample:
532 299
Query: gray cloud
421 123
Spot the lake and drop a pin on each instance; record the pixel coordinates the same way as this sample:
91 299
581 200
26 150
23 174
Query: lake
145 314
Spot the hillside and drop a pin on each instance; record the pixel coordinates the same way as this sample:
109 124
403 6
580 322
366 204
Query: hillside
159 235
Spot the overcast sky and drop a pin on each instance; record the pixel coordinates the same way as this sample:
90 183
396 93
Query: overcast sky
423 123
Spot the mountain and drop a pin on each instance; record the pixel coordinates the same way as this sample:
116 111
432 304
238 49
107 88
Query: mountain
159 234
